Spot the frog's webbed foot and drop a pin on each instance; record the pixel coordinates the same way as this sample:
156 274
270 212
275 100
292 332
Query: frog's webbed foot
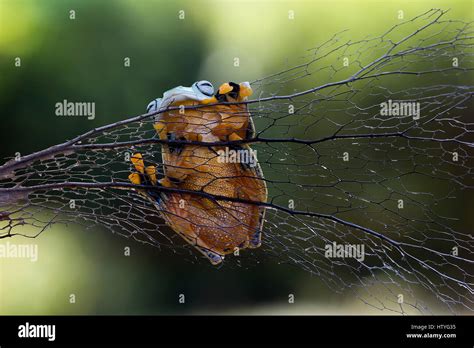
144 175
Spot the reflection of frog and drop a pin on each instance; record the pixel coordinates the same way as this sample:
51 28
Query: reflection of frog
214 227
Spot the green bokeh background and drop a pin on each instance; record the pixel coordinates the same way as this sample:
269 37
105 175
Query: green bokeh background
83 59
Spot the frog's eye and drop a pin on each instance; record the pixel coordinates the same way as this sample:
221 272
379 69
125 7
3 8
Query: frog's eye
205 87
153 105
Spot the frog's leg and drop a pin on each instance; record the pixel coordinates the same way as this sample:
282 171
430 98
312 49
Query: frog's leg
229 130
250 132
145 175
174 148
234 137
